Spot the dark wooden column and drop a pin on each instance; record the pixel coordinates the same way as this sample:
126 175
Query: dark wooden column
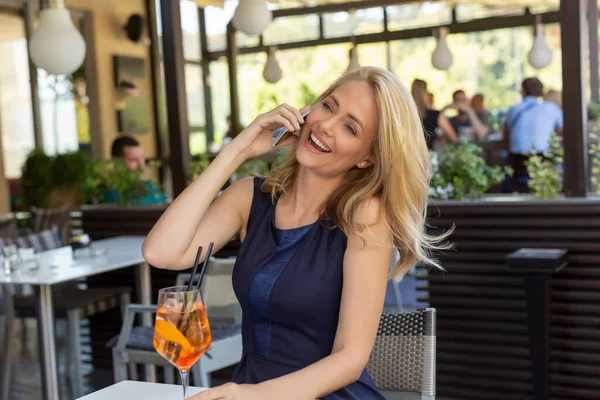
592 17
160 120
231 53
205 62
179 129
572 28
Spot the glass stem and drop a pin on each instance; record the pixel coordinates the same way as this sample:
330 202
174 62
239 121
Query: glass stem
185 381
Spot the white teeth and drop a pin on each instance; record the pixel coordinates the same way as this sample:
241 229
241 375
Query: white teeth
318 143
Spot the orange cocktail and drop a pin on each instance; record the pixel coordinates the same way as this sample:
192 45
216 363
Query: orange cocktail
181 332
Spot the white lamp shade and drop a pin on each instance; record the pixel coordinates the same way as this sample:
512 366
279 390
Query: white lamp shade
272 72
353 66
252 17
442 58
56 45
540 55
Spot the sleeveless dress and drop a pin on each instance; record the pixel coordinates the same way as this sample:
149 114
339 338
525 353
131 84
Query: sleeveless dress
289 285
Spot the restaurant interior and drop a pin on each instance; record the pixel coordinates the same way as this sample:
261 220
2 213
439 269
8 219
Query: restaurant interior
515 312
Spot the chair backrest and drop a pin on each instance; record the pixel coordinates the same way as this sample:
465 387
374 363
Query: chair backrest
403 357
47 239
46 218
217 289
8 227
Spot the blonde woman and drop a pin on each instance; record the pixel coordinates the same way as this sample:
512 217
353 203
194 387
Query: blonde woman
317 236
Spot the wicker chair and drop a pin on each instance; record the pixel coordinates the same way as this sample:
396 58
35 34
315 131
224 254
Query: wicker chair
403 357
46 218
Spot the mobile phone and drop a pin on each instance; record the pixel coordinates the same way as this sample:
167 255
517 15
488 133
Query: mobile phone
280 133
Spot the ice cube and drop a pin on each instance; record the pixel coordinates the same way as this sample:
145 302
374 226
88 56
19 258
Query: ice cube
170 304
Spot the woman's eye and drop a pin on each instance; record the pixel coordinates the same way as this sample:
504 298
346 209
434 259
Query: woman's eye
327 106
350 129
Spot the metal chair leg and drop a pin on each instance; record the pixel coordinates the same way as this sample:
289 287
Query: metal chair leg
200 375
119 367
133 372
73 319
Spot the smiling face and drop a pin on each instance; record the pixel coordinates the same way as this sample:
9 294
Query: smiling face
338 132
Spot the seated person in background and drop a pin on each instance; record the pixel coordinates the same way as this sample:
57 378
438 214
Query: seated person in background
467 124
128 150
528 127
434 122
477 103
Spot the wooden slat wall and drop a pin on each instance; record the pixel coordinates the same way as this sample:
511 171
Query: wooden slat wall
482 327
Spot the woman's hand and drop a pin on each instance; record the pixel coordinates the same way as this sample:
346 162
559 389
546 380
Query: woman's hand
257 138
231 391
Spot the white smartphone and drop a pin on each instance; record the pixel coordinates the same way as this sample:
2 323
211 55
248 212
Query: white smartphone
280 133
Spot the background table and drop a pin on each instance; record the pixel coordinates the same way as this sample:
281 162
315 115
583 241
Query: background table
121 252
128 390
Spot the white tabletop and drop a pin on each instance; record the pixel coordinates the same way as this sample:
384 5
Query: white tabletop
127 390
58 265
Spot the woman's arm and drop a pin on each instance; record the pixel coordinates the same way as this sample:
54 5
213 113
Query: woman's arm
449 132
366 271
193 219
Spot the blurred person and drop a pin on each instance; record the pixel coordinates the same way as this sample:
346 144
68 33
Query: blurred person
316 236
466 123
434 122
478 104
128 150
554 96
528 128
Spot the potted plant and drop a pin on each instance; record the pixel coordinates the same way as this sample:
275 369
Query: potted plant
461 173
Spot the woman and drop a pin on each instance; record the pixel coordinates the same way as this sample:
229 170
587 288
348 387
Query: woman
433 120
317 236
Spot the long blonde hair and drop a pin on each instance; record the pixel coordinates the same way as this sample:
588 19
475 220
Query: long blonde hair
399 176
418 90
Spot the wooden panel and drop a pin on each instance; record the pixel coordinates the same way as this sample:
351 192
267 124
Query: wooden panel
482 327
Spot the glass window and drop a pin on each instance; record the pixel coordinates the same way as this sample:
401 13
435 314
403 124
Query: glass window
16 116
217 19
220 98
373 54
59 116
191 31
194 91
418 15
292 29
361 21
466 12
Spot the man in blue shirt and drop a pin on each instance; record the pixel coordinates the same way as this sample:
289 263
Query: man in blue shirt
131 153
528 127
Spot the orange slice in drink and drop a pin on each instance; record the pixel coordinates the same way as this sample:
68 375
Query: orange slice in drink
170 333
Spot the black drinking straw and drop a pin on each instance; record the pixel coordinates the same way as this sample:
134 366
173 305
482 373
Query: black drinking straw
203 270
198 254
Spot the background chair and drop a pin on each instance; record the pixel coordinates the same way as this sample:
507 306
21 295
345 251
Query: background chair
134 344
403 357
46 218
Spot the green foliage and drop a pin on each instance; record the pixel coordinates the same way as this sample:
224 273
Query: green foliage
460 172
253 167
595 154
104 177
36 179
545 178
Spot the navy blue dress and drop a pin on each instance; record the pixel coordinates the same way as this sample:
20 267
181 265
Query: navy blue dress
289 284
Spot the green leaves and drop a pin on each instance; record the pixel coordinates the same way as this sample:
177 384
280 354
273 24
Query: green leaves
460 172
545 176
595 154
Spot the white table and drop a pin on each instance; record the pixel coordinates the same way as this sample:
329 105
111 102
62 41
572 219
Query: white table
128 390
56 266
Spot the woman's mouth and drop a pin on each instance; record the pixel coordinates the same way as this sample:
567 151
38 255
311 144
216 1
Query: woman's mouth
315 143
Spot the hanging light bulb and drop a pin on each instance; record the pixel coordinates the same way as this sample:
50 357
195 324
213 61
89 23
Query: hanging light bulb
252 17
353 56
442 58
540 55
56 45
272 71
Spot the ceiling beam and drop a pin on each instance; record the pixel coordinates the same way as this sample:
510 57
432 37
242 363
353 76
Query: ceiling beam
477 25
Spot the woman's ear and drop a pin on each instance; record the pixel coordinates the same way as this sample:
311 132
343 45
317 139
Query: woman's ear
365 163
